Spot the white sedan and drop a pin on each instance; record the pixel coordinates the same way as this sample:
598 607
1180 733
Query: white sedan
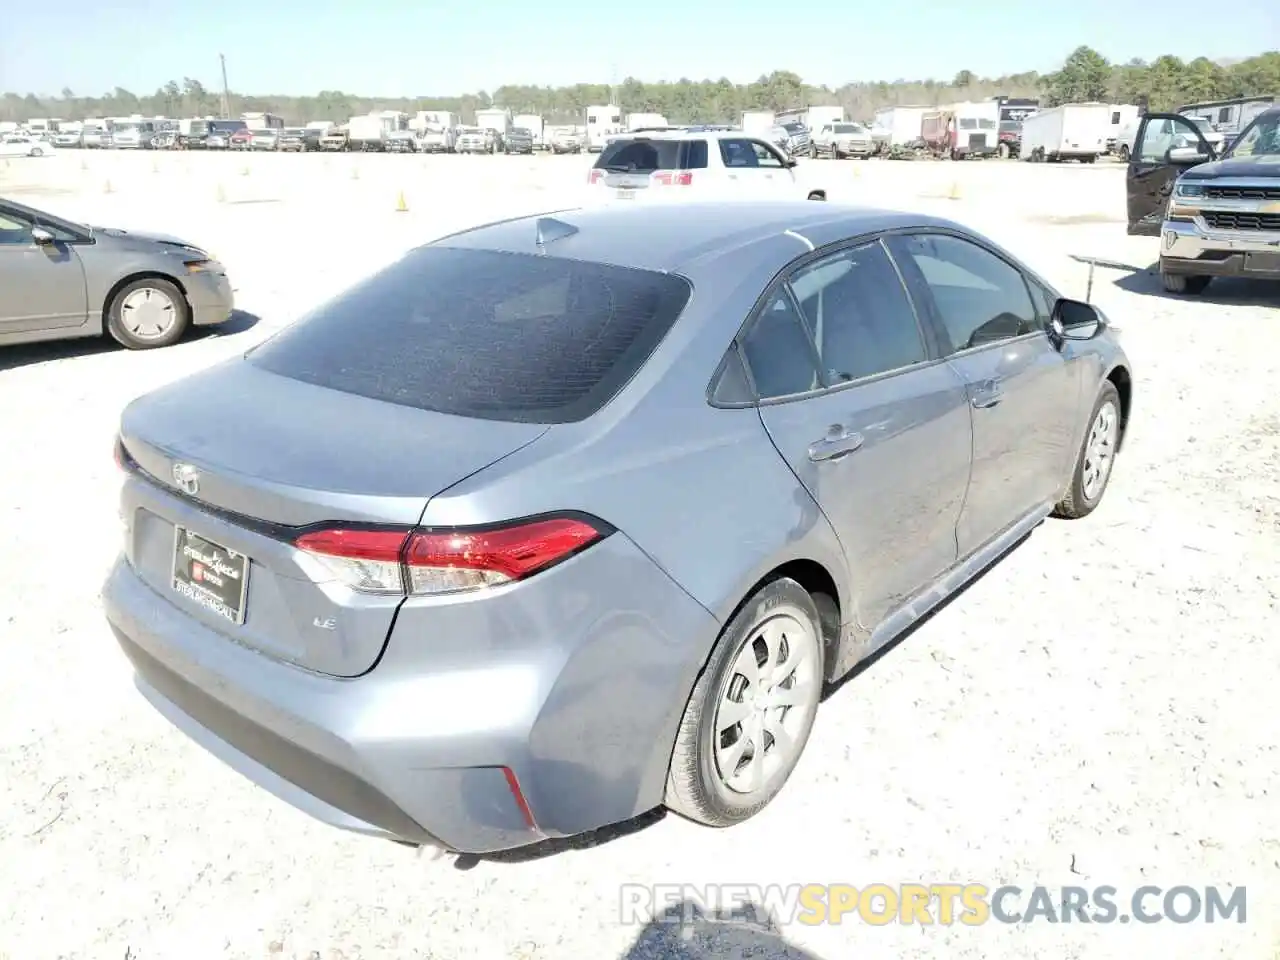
20 145
696 165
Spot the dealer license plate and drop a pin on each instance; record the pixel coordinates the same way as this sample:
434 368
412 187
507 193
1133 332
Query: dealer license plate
209 574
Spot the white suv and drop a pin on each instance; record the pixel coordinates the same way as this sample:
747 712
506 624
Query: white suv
688 165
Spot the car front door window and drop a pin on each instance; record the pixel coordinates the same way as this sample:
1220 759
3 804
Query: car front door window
14 230
1163 135
765 157
980 298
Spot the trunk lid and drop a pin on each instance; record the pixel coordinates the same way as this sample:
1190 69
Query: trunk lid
269 454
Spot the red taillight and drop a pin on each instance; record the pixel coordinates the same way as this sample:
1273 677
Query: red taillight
121 455
672 178
425 562
594 176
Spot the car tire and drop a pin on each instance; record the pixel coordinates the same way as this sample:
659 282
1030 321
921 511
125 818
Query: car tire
1124 153
1095 458
813 152
1182 284
37 152
137 295
778 622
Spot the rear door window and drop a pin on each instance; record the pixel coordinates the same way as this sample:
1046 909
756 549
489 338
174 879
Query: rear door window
477 333
646 156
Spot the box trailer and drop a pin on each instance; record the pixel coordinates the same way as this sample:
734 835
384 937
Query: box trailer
757 122
1073 131
901 123
536 126
369 133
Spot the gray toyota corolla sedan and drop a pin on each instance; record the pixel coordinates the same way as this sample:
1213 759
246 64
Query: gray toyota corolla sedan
563 518
62 279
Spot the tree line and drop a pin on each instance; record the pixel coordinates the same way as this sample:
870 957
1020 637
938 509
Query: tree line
1163 84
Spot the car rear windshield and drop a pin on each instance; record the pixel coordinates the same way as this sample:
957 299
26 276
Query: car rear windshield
645 156
490 335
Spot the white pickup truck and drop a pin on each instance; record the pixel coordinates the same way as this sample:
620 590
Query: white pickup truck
436 139
840 140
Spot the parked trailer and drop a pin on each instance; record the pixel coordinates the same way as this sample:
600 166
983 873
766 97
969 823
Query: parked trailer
1123 115
1073 131
368 133
262 121
757 122
536 126
497 119
646 121
603 122
902 124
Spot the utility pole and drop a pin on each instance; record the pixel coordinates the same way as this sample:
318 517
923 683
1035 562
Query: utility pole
226 92
613 84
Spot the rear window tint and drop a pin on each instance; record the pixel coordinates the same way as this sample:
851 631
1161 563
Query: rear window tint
476 333
646 156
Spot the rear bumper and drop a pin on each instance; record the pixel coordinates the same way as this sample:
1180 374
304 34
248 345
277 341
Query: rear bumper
1193 249
575 687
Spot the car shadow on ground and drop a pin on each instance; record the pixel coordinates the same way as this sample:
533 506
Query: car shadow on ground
1222 291
31 354
686 931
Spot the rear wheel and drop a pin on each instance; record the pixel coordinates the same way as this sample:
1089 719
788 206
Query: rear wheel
37 151
813 151
1003 151
1124 152
751 711
149 312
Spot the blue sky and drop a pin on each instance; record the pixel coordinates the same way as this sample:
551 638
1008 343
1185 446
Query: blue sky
397 47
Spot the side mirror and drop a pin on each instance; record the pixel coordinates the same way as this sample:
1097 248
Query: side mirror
41 236
790 162
1187 155
1074 320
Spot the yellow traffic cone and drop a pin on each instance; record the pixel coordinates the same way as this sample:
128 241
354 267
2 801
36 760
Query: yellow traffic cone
401 205
222 194
355 173
107 188
84 164
244 172
955 190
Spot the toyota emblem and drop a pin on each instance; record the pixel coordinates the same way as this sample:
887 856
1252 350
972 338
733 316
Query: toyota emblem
186 478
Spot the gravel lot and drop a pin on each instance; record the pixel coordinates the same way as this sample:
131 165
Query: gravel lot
1098 709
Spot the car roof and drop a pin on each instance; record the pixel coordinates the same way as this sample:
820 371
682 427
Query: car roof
674 237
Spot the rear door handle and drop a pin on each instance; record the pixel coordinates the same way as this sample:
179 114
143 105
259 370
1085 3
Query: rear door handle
836 444
987 394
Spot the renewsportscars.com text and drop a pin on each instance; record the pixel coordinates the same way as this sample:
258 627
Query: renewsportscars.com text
971 904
